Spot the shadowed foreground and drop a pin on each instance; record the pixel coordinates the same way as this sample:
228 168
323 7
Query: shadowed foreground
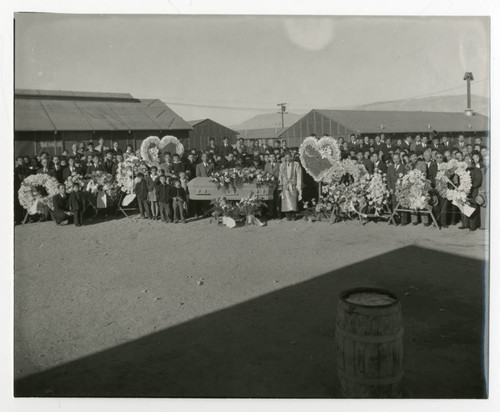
282 344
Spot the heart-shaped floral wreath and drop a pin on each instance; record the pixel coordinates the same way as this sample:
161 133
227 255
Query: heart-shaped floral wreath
152 148
319 156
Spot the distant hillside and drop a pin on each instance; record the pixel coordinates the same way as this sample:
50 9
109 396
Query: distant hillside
431 104
267 121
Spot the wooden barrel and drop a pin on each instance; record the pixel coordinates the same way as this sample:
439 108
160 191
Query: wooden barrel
369 339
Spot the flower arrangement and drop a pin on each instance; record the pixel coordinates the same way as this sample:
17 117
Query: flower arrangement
236 177
126 172
250 206
222 207
377 194
445 186
347 170
36 191
74 180
150 150
172 145
343 200
412 190
100 178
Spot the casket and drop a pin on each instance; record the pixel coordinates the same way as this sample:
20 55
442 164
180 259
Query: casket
201 188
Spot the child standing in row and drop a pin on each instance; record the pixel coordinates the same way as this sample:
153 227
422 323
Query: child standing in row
178 195
141 193
77 204
163 198
152 180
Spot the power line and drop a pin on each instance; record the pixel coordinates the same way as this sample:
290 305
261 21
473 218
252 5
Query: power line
262 109
219 107
445 90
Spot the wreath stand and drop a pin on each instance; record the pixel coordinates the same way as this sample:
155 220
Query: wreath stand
123 209
398 208
386 214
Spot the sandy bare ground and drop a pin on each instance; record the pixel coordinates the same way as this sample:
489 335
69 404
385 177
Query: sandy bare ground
139 308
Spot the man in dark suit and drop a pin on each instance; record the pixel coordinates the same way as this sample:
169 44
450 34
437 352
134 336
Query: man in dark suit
406 145
378 145
45 167
76 204
378 165
117 164
204 169
227 161
60 206
108 162
359 145
190 166
437 146
440 211
91 151
21 170
273 168
240 147
394 172
68 171
387 148
461 145
446 143
226 147
116 149
431 167
367 163
417 146
212 147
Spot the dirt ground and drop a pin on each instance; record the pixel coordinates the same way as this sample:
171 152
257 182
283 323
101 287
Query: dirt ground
133 307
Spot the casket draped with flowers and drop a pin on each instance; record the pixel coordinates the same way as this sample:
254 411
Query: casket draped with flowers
203 188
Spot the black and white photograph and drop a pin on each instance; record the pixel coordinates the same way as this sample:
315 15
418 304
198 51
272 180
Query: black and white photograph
250 206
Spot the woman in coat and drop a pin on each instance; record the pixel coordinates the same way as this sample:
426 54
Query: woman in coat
290 181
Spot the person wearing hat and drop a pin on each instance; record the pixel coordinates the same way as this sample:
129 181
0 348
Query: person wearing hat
290 181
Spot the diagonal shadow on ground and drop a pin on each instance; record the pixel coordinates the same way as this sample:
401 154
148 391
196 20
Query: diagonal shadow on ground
282 344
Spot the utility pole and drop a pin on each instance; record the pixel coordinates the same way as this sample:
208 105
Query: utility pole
468 76
283 112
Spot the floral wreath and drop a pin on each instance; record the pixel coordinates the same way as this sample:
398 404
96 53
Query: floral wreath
36 192
349 167
172 145
73 180
456 193
412 190
150 150
377 193
318 157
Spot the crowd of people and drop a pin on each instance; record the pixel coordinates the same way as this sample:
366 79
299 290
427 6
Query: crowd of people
163 194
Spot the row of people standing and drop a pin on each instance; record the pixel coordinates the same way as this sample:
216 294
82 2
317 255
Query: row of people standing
445 212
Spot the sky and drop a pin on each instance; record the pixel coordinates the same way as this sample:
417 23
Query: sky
230 68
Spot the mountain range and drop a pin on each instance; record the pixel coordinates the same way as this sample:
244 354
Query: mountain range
451 103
